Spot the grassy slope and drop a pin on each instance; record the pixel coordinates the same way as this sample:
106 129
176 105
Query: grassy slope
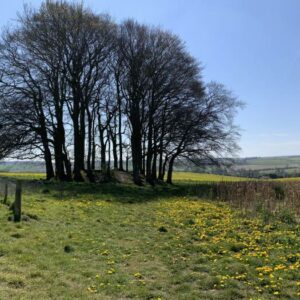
207 252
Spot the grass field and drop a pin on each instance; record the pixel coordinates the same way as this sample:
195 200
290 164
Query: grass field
177 176
26 176
201 177
124 242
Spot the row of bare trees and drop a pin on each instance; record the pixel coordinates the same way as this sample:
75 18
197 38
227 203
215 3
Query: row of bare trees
78 89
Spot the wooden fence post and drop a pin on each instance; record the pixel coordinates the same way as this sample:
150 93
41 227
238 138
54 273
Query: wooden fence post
5 193
18 202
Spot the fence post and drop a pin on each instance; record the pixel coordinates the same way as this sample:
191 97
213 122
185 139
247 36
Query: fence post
5 193
18 202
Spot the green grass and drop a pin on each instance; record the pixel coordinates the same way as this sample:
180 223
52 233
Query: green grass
112 241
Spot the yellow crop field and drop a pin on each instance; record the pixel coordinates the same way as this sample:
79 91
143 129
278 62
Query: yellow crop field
201 177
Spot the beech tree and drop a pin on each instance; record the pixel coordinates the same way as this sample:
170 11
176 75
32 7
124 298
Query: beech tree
84 92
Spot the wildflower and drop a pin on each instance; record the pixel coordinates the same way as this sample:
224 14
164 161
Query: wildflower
105 252
110 262
279 267
111 271
92 289
265 269
138 275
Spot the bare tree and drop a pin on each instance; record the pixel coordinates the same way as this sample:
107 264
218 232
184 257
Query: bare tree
76 88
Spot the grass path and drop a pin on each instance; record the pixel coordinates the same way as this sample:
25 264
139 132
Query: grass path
88 244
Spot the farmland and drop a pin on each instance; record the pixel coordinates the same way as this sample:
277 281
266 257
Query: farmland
120 140
80 242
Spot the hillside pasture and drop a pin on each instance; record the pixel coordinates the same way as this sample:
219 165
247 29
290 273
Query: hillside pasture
112 241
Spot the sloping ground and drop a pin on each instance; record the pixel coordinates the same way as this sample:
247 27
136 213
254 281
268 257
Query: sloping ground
124 242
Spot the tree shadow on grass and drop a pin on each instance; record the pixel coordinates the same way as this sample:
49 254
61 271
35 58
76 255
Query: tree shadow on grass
116 192
122 193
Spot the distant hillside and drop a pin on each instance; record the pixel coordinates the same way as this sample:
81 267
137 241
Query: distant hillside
256 167
274 162
281 166
277 166
22 166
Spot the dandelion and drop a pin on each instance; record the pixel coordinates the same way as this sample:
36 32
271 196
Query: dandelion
279 267
138 275
92 289
105 252
111 271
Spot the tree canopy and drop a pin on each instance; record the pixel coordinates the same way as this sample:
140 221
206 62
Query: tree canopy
76 89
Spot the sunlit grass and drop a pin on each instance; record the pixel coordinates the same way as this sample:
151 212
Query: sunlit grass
288 179
28 176
108 242
177 177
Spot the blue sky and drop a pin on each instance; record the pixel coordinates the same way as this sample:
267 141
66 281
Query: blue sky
251 46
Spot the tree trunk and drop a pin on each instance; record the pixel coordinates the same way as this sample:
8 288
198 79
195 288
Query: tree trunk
136 157
154 168
149 153
170 170
164 169
120 125
67 163
93 166
58 154
90 140
79 133
17 208
136 144
127 162
48 162
103 151
160 166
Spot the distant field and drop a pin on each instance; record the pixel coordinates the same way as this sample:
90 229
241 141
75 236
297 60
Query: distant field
272 161
287 165
201 177
288 179
177 176
17 175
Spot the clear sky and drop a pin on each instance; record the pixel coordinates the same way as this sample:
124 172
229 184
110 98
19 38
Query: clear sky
251 46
